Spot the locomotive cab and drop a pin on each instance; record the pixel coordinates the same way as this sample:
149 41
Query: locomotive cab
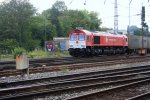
77 40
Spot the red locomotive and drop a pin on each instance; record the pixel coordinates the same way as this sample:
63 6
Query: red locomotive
87 43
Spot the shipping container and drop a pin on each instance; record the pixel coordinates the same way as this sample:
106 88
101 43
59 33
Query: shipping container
138 42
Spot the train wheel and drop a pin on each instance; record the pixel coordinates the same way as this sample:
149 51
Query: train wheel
76 53
71 52
114 52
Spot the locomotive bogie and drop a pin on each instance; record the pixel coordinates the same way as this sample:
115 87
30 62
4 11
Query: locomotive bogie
95 51
77 52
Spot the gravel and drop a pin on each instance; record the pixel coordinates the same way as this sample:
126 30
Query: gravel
120 95
66 72
65 95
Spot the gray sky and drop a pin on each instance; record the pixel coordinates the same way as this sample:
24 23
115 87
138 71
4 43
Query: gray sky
105 11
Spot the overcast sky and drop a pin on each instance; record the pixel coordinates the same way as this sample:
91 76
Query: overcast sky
105 11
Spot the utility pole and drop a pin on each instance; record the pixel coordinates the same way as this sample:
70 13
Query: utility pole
45 42
116 17
129 11
129 22
143 23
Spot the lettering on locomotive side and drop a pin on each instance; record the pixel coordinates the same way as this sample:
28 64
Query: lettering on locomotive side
106 40
111 40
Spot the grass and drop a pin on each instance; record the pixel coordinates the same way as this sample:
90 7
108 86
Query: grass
6 57
37 54
43 54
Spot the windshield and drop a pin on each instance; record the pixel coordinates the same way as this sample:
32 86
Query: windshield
73 37
81 37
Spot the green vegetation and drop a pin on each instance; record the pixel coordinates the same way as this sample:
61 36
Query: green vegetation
22 26
138 31
61 53
43 54
18 51
35 54
38 54
7 57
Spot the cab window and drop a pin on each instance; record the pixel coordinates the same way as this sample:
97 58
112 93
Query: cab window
126 39
73 37
88 38
80 37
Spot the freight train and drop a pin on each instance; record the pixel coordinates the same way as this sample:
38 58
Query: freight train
87 43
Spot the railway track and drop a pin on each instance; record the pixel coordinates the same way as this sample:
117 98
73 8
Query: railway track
10 65
120 92
4 65
108 81
106 62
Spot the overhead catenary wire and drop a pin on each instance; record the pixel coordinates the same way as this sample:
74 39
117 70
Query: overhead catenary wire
122 6
85 2
71 1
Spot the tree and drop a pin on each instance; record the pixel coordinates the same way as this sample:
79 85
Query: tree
7 45
20 25
65 24
138 31
59 6
56 11
42 29
75 18
94 21
65 20
15 21
105 29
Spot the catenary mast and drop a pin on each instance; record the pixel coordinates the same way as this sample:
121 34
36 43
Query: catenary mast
115 17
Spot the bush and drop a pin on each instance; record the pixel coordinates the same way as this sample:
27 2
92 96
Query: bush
18 51
7 45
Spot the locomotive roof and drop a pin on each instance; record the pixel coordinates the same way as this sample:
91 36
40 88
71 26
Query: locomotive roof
87 31
90 32
98 32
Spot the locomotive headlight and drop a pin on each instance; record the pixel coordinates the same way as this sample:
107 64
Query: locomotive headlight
70 46
83 46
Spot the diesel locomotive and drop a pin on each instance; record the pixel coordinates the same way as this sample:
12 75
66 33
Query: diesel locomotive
86 43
